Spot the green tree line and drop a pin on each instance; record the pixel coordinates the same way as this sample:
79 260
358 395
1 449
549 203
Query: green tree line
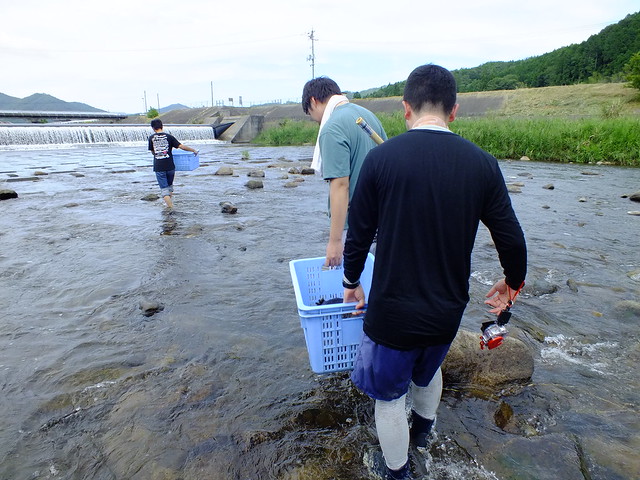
602 57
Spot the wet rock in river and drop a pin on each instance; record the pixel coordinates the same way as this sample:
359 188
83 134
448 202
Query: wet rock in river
150 307
635 197
228 207
503 415
307 171
224 171
294 170
628 309
256 173
549 186
7 194
152 197
466 363
545 457
254 184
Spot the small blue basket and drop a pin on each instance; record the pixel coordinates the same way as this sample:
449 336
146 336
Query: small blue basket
332 332
185 161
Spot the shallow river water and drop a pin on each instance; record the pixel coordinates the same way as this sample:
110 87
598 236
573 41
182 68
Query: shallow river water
217 385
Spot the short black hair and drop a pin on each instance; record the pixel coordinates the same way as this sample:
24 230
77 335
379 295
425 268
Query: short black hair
431 85
321 88
156 124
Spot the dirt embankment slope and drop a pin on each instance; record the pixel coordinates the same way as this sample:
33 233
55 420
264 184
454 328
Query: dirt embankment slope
562 101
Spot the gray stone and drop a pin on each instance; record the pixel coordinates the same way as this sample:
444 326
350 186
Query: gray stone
7 194
549 186
256 173
150 307
253 184
307 171
22 179
152 197
635 197
466 363
228 207
224 171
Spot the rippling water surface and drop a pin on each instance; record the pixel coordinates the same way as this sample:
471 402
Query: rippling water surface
217 384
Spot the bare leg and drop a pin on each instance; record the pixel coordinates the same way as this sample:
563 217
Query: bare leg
168 201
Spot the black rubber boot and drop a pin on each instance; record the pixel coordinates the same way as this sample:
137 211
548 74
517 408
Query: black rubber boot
420 429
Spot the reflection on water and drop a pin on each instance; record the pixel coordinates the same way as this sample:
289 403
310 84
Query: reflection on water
217 385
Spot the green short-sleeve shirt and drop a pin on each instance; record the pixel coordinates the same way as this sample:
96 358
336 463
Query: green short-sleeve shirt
344 144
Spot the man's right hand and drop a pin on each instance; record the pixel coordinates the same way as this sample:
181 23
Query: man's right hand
354 295
334 253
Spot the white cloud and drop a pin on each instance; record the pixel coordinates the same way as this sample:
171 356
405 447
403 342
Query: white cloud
109 54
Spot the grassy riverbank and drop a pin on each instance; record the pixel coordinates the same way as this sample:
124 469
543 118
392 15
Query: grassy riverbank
587 123
592 140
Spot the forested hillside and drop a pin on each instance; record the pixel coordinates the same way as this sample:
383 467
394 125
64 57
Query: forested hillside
602 57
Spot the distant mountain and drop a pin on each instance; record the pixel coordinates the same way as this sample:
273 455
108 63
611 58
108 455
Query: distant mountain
41 102
175 106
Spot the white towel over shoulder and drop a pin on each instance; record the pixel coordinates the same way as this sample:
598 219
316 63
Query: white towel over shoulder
316 164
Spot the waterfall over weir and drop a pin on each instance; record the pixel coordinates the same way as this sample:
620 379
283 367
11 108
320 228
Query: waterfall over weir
86 134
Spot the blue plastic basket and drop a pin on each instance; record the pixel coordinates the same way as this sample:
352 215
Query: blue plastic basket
332 332
185 161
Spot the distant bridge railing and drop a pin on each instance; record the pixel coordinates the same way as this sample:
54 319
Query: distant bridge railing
60 115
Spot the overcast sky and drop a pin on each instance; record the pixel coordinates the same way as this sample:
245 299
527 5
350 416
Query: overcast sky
108 54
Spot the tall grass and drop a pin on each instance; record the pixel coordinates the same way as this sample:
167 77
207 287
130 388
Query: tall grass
289 132
608 140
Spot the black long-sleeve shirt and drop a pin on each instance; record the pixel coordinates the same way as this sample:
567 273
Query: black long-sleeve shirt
424 192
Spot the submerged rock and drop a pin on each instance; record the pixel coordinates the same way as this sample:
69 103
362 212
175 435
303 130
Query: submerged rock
150 307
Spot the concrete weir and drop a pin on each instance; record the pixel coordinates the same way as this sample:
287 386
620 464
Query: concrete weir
244 129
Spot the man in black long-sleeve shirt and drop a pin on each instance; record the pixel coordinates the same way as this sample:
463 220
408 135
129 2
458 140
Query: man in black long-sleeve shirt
424 192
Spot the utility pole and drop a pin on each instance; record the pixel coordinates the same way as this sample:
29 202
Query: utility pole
211 94
312 57
158 101
145 102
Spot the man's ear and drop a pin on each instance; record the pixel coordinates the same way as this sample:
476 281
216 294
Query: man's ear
454 112
407 110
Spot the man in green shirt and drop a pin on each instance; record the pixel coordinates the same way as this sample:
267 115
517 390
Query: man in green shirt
340 151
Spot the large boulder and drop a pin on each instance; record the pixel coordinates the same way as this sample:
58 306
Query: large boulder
466 363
